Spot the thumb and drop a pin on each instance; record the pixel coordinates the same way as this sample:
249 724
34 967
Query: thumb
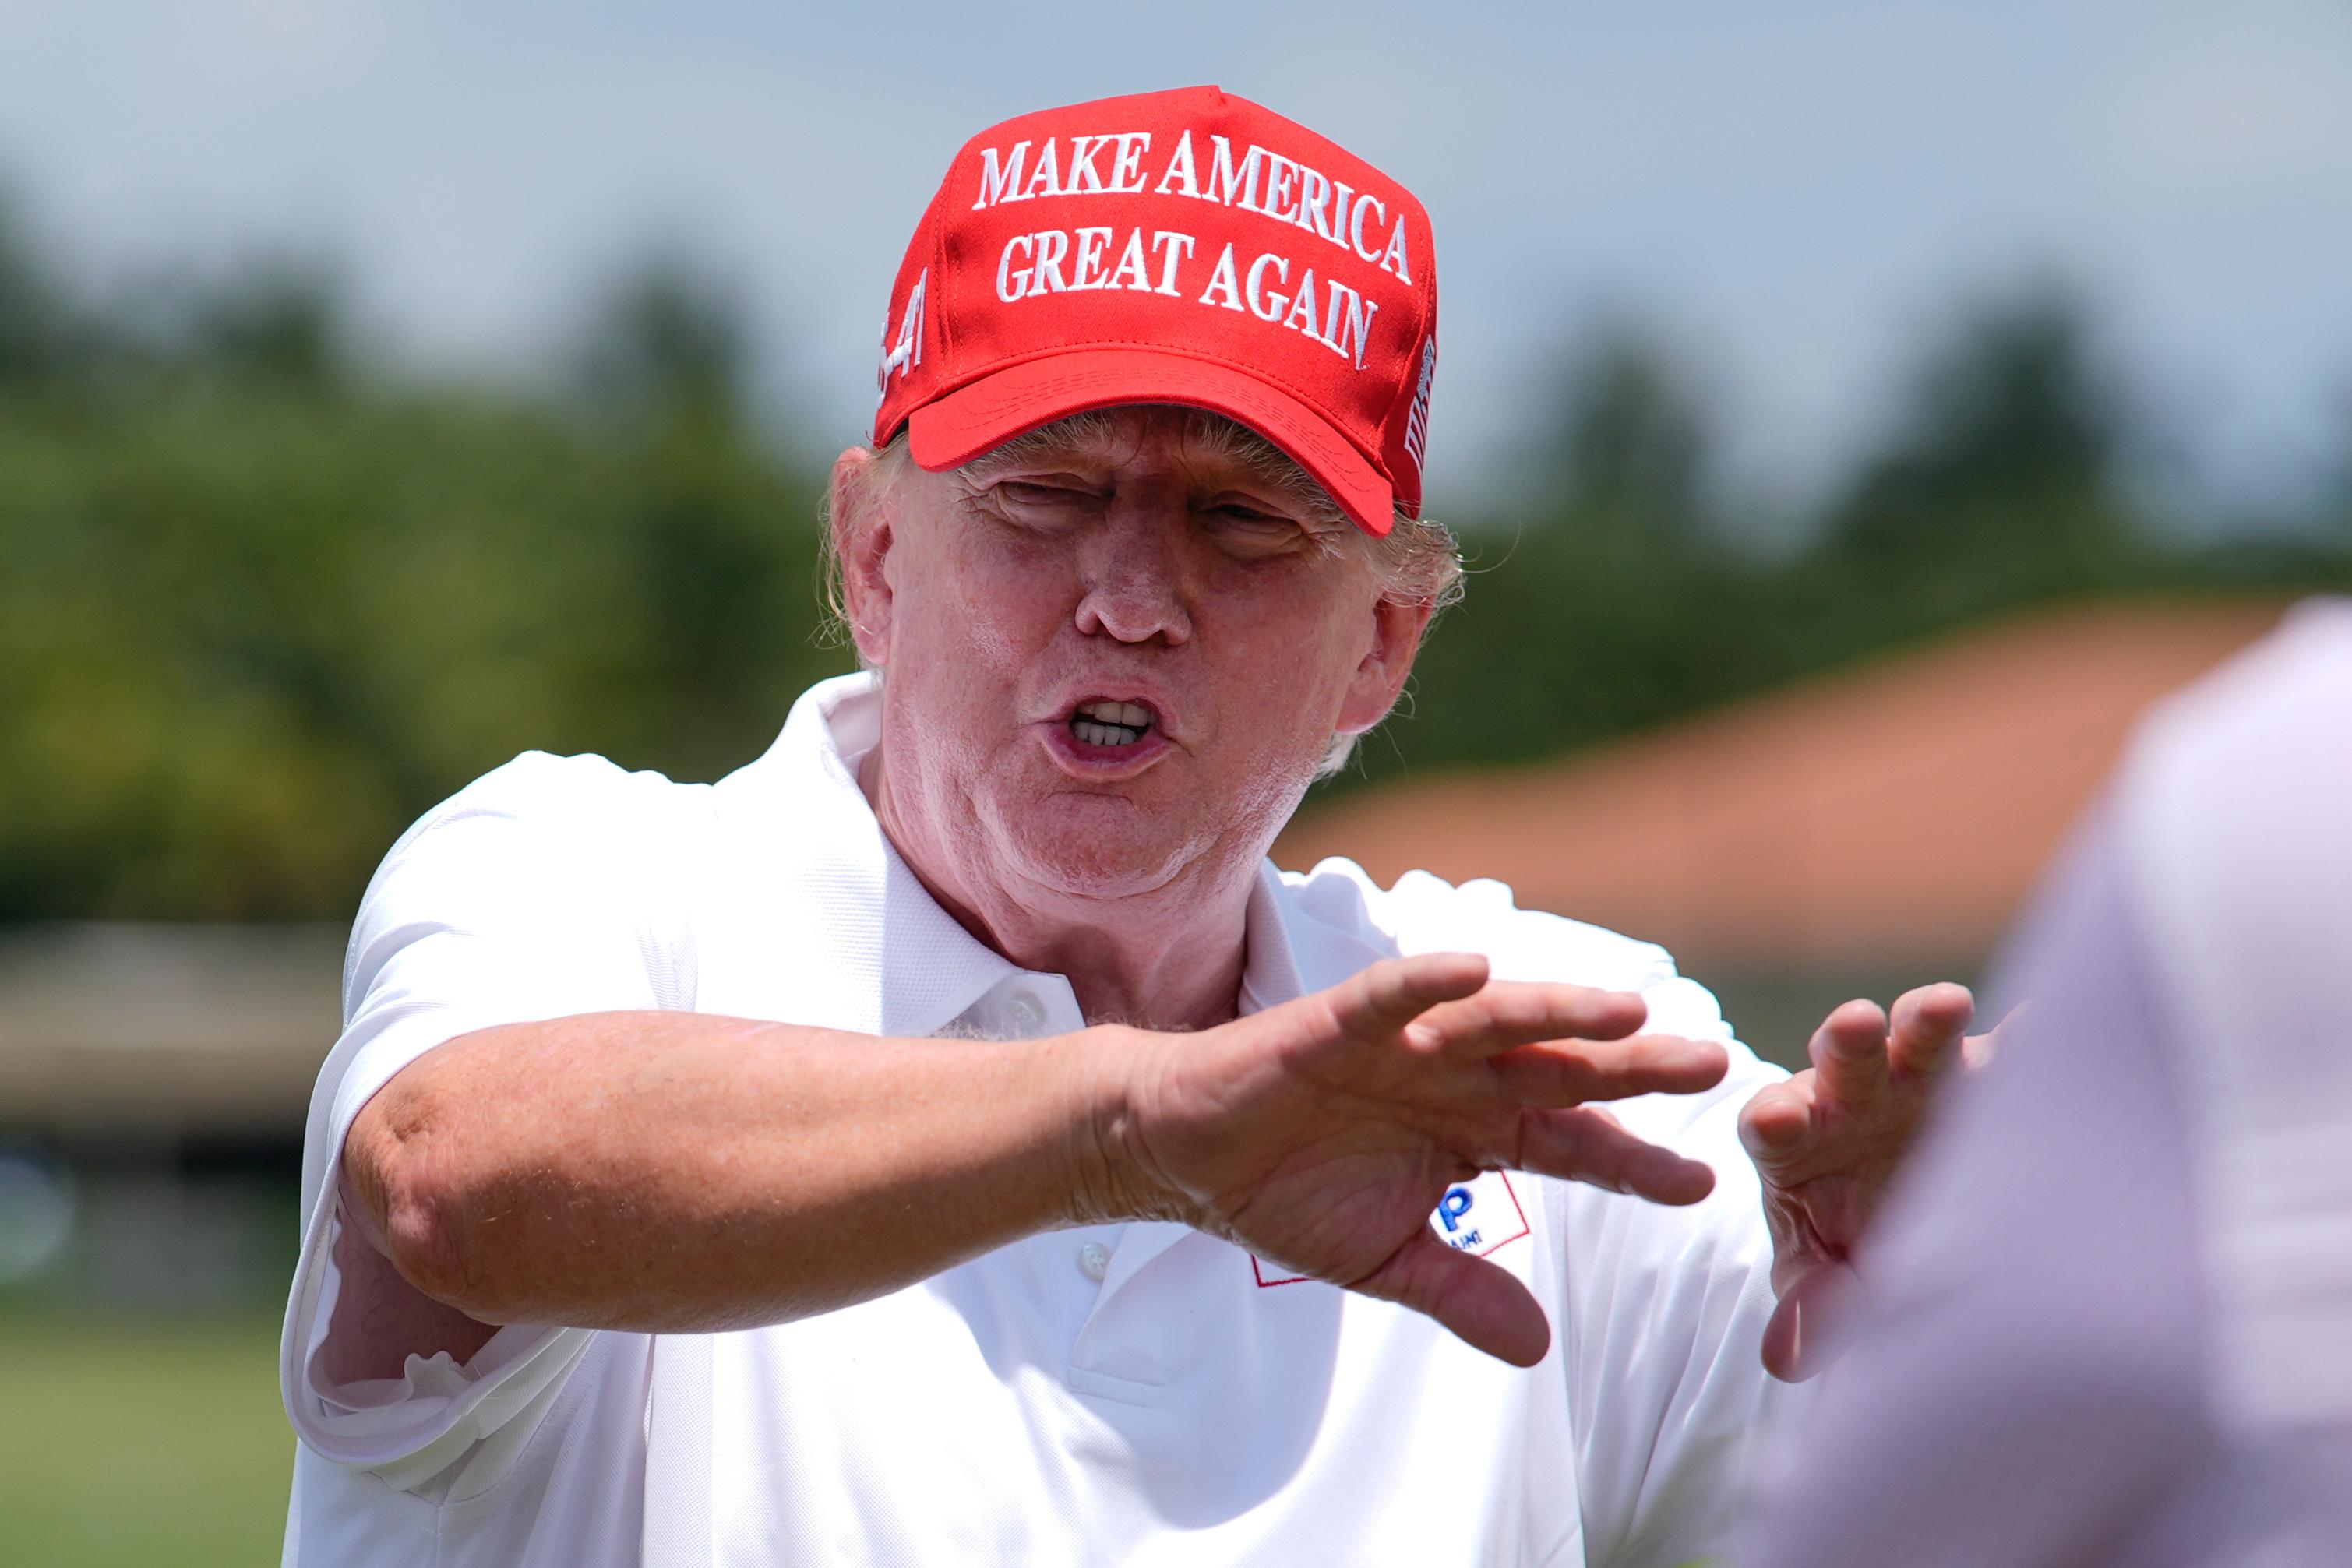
1979 1050
1807 1328
1482 1302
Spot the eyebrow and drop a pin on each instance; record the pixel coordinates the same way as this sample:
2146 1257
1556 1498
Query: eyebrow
1270 470
1017 452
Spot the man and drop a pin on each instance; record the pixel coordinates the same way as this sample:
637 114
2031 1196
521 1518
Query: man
2110 1321
948 1139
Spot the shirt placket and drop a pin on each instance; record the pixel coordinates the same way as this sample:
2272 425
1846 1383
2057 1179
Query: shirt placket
1100 1260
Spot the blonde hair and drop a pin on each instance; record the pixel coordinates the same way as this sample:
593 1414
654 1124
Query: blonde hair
1418 560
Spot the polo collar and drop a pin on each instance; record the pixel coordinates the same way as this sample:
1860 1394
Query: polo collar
1270 973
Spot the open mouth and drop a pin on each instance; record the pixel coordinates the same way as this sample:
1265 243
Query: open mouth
1111 723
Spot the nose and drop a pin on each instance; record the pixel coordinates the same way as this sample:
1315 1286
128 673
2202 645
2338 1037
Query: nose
1132 570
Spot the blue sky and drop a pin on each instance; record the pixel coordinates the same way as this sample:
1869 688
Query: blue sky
1798 192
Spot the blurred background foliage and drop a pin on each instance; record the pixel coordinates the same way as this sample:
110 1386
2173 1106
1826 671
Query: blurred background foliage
2012 470
263 600
260 604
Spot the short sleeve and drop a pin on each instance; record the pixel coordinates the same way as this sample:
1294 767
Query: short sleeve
1666 1308
537 892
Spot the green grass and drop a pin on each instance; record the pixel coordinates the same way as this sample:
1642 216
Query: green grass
130 1441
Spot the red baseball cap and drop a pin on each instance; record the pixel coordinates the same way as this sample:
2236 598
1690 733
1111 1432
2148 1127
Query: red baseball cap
1185 247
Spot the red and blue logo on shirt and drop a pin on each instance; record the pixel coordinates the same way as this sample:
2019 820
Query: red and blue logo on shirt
1477 1217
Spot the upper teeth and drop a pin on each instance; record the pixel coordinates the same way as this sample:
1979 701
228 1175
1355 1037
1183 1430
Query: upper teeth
1128 714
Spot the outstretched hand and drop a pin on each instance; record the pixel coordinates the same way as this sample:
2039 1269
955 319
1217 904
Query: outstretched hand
1827 1144
1322 1134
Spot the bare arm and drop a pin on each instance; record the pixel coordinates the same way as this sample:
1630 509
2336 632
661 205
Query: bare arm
678 1172
665 1172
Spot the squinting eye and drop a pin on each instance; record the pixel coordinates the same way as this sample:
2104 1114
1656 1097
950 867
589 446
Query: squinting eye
1248 516
1258 527
1250 534
1038 494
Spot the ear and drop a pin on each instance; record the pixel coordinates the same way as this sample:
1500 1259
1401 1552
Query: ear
1379 680
862 528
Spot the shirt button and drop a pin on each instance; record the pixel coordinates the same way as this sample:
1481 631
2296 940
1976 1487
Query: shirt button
1094 1260
1023 1013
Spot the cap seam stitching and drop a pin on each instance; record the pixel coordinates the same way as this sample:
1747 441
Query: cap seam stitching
1410 385
939 265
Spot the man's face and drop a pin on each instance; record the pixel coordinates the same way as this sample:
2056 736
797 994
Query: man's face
1113 656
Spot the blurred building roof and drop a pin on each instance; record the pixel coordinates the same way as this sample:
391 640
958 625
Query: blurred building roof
1894 814
164 1031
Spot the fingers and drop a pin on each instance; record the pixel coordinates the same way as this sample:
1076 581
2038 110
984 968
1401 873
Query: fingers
1571 1073
1590 1147
1858 1049
1849 1052
1480 1302
1928 1027
1443 1004
1775 1122
1507 1014
1382 999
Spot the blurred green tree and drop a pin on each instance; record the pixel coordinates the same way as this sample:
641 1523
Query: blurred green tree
2001 480
1605 602
279 321
1620 601
35 324
1633 455
258 610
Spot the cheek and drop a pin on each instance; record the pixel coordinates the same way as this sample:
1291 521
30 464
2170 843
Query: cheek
973 617
1294 654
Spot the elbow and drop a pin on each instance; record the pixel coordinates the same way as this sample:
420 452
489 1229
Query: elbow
404 1193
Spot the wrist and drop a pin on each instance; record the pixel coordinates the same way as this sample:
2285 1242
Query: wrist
1111 1177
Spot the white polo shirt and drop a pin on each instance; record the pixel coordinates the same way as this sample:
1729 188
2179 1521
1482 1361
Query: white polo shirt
1136 1393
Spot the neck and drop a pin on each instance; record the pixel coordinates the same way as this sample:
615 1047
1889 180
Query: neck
1168 959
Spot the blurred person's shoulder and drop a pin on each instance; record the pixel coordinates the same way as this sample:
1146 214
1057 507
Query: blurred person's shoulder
1422 912
2286 690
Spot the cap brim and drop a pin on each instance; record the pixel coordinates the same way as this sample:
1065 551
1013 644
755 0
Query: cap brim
952 430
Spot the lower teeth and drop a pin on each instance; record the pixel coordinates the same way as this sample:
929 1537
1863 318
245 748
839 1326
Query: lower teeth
1104 734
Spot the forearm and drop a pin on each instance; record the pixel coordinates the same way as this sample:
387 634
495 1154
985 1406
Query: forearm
678 1173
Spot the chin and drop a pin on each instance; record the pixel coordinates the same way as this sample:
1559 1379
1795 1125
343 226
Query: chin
1099 847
